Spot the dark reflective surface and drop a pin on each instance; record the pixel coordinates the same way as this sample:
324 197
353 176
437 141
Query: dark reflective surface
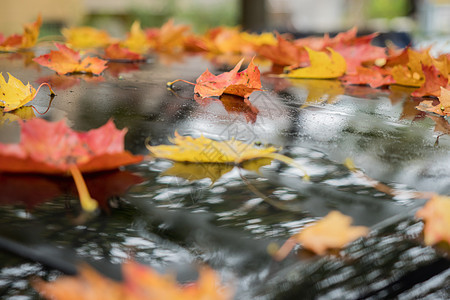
172 220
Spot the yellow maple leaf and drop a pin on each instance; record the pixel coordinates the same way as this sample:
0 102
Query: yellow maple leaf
204 150
86 37
436 216
331 232
21 113
265 38
137 40
14 94
412 74
322 65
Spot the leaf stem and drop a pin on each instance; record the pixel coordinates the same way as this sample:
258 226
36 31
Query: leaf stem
170 83
87 203
48 107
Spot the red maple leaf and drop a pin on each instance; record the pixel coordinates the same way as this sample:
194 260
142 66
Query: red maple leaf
66 60
434 80
241 84
54 148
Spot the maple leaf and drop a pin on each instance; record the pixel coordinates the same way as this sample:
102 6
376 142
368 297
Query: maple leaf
204 150
86 37
27 40
443 108
117 53
140 283
436 216
434 80
53 148
226 40
14 94
137 39
21 113
284 53
411 74
322 66
169 37
331 232
240 84
66 60
375 77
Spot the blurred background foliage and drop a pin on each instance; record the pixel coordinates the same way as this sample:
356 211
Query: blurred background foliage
307 16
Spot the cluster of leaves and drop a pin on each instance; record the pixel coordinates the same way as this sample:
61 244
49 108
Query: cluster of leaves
53 148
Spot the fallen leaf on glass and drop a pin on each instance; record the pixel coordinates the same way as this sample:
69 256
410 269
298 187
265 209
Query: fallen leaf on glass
66 60
436 216
27 40
241 84
117 53
86 37
204 150
443 108
322 66
139 283
375 77
331 232
14 94
53 148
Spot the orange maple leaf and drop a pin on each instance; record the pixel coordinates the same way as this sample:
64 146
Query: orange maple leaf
331 232
53 148
66 60
140 283
241 84
436 216
27 40
443 108
169 37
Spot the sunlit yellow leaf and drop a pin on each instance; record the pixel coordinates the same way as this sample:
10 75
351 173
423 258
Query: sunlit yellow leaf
322 65
204 150
14 93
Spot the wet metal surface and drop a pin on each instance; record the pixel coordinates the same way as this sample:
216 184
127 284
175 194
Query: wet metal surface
170 221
